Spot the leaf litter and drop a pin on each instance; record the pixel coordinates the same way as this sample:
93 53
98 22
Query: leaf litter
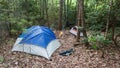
80 58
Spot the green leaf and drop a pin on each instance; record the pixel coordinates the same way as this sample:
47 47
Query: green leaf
1 59
94 46
13 31
80 28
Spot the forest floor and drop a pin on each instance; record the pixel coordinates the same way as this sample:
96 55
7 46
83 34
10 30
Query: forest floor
80 58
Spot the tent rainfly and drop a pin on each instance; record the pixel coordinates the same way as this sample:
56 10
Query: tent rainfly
37 40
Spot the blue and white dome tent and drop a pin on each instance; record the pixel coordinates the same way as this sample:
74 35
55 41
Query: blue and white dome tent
37 40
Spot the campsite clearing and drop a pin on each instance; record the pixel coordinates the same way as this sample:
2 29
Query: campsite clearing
80 58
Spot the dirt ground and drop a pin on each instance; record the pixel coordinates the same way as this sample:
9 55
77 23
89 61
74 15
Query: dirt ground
80 58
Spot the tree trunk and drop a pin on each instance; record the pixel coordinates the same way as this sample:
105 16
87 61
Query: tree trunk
115 40
78 20
113 22
64 10
108 19
67 7
42 8
60 15
83 21
46 10
113 29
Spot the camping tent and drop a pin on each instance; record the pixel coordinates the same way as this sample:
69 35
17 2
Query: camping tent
37 40
74 30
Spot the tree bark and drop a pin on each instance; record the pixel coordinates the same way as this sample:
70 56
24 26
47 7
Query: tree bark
113 23
116 37
60 15
108 19
78 20
81 10
46 10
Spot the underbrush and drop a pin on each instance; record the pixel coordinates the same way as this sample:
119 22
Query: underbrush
97 40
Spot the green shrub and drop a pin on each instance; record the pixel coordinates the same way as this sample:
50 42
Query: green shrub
94 46
1 59
19 26
96 41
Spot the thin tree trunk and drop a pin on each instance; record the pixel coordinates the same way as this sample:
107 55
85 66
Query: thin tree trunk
70 2
108 20
67 10
83 21
77 9
46 10
64 10
113 22
115 39
113 30
78 20
42 9
60 15
8 23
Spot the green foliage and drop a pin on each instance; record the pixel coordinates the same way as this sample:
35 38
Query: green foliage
94 46
95 14
117 30
93 42
97 41
1 59
96 27
80 28
106 42
85 40
109 36
24 13
19 26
